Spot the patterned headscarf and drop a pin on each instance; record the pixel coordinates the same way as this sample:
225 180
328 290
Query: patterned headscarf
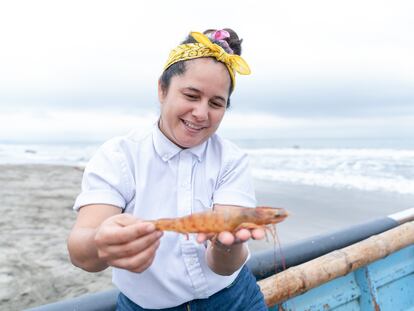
205 48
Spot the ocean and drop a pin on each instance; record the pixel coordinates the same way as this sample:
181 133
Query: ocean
362 164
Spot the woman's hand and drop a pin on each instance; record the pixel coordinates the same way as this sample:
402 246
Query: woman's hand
126 242
228 238
226 253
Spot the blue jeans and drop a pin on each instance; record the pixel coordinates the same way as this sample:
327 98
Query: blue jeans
242 294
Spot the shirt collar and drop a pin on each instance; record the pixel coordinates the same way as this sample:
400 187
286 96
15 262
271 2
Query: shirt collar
166 149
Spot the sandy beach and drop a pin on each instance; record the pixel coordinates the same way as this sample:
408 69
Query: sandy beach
36 203
37 215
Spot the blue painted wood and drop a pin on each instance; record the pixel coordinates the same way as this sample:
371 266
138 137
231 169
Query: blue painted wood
393 267
384 285
366 301
393 280
327 296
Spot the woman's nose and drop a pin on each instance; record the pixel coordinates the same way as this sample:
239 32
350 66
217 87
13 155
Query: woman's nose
200 111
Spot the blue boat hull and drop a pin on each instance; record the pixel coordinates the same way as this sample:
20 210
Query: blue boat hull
386 284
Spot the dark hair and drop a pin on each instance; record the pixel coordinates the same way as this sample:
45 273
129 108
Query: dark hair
179 68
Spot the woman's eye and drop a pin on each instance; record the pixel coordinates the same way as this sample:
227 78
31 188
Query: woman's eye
191 97
216 105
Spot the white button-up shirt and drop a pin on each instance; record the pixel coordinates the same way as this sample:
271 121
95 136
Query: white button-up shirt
150 177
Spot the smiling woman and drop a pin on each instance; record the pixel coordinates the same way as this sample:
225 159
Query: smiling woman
181 167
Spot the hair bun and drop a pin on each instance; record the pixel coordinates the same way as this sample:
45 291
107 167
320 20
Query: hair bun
231 44
234 41
227 35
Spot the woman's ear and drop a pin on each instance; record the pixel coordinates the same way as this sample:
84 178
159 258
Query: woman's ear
161 92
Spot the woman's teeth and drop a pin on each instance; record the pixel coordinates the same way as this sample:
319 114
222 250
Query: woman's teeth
191 125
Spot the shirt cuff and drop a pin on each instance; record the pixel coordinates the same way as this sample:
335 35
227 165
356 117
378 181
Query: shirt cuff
99 197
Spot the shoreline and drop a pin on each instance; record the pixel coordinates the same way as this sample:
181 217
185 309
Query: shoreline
37 199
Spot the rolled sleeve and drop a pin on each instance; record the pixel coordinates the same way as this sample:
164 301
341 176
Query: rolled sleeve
107 178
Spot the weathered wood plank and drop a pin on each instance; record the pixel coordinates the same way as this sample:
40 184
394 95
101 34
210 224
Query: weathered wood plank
297 280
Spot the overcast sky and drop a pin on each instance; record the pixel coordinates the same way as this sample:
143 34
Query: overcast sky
76 69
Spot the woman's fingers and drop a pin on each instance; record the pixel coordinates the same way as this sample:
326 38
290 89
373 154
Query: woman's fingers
243 235
118 231
202 237
226 238
126 242
240 236
138 262
258 234
133 247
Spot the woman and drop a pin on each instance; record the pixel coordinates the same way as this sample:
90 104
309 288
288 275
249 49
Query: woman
179 168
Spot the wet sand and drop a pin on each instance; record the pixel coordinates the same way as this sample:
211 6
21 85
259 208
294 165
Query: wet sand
36 203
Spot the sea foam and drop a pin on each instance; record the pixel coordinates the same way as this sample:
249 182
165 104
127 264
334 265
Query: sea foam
389 170
365 169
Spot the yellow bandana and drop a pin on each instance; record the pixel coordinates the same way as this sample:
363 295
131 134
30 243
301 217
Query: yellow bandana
205 48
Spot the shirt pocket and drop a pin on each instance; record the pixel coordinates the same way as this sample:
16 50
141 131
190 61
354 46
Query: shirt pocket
203 189
202 202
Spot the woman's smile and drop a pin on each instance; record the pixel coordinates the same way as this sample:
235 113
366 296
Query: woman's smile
192 127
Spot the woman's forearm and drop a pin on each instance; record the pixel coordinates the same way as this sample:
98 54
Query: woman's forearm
225 260
82 250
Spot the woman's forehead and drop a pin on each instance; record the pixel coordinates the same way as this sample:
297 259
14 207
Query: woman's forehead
204 74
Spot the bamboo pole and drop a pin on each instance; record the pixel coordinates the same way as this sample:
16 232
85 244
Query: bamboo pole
301 278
